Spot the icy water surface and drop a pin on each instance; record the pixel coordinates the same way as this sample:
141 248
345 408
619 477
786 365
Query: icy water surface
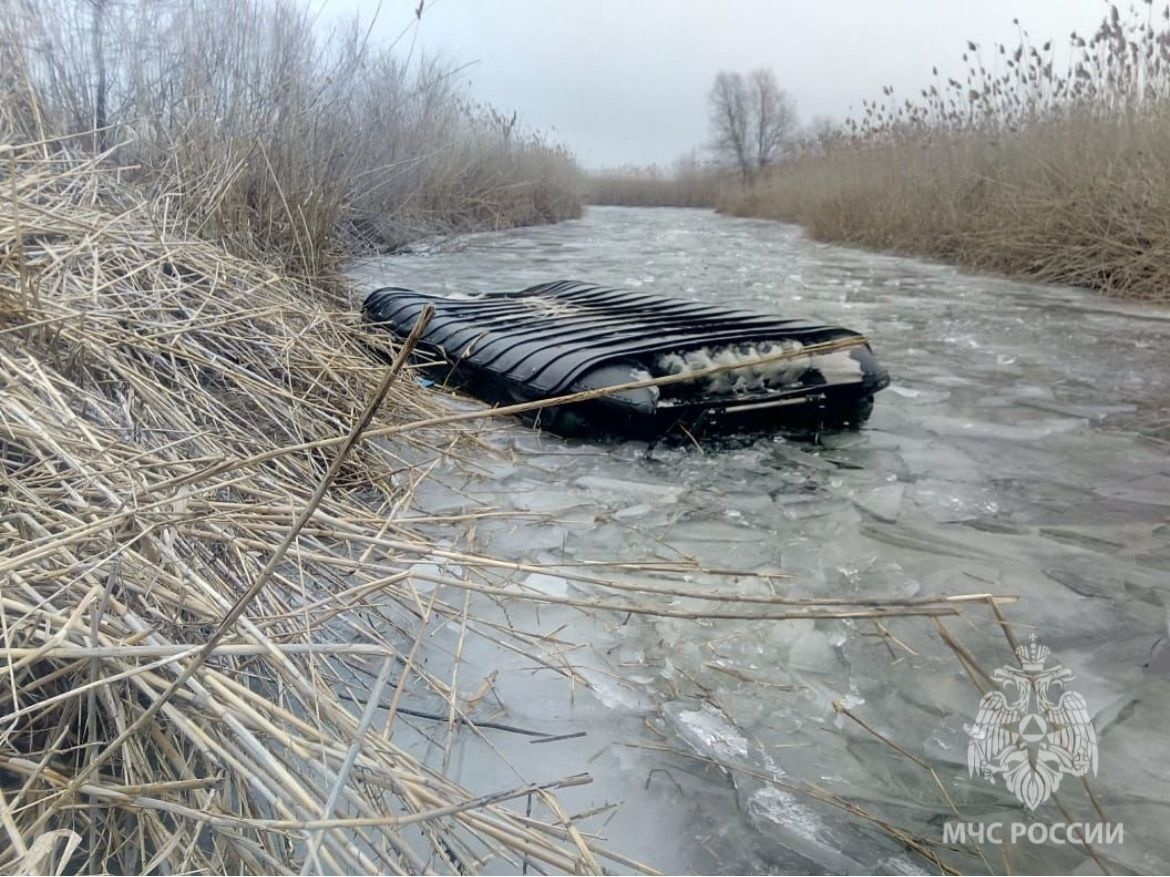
1023 449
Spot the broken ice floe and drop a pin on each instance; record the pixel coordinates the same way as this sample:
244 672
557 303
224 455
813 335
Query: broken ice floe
710 730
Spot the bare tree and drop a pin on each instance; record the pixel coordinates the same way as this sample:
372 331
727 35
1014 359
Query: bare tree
729 121
752 120
773 117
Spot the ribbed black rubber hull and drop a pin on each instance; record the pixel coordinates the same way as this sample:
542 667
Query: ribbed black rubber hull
547 340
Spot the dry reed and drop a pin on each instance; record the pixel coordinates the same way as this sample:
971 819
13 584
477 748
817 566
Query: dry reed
1019 167
257 128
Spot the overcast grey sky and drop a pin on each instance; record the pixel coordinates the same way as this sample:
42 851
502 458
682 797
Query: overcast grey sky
626 82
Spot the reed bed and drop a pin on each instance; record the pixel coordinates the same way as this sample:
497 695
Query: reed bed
1040 162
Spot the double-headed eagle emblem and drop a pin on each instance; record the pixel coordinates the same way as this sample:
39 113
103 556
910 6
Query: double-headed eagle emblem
1029 736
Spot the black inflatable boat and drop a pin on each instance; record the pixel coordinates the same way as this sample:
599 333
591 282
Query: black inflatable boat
728 370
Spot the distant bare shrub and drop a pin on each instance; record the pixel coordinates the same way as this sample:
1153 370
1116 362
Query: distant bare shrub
267 134
1019 167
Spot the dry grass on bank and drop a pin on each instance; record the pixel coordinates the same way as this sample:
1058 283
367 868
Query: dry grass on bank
159 406
259 129
1020 169
1078 202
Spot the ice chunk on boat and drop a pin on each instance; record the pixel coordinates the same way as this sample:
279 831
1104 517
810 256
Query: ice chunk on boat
752 374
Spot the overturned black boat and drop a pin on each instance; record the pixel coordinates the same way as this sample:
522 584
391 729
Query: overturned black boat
726 370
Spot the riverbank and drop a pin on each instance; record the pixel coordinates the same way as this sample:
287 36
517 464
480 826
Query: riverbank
254 126
1078 201
1049 161
183 527
687 184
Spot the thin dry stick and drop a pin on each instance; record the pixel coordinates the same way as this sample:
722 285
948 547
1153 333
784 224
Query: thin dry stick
588 862
980 677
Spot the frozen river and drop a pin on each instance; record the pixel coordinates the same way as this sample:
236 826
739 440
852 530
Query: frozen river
1023 449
